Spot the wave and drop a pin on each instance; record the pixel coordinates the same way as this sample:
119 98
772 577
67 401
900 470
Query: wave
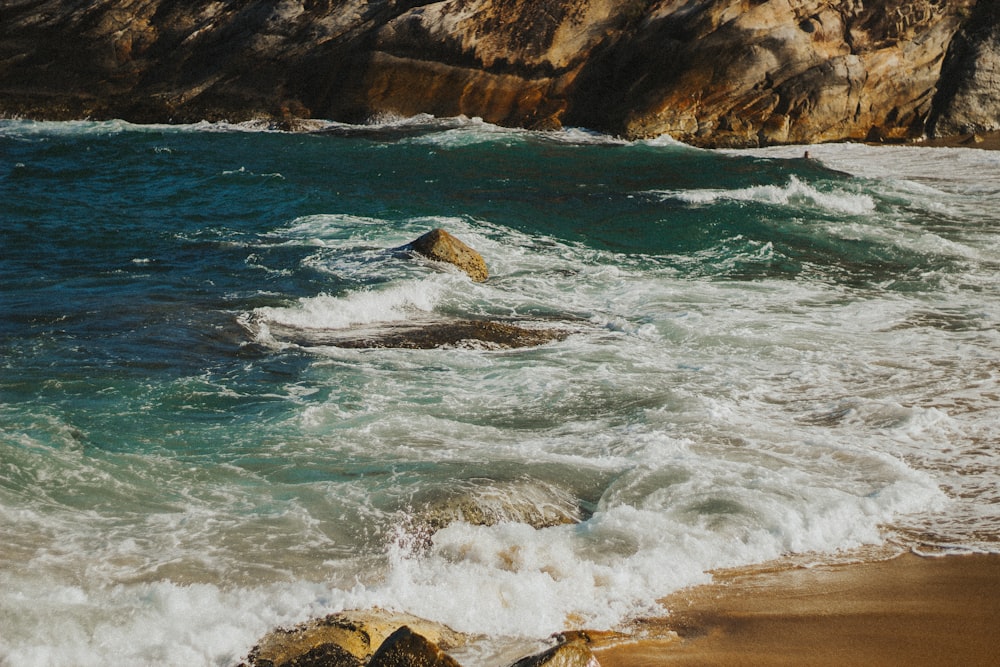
795 194
453 131
397 302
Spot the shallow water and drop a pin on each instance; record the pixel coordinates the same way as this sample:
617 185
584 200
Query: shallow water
769 357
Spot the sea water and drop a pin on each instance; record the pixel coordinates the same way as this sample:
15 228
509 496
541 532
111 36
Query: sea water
764 357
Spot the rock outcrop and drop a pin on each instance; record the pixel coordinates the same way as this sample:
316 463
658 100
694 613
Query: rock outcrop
969 95
379 638
486 502
405 648
352 639
709 72
573 652
426 335
483 334
440 246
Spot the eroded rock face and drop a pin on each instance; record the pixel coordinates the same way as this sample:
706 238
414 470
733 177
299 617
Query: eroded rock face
785 71
709 72
969 94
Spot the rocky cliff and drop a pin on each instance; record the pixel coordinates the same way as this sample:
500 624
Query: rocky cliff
709 72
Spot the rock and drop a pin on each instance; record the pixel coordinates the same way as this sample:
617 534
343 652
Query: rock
441 246
746 74
477 334
490 502
348 639
572 653
708 72
425 335
968 101
405 648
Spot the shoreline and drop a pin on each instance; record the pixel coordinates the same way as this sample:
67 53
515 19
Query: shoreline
942 610
989 141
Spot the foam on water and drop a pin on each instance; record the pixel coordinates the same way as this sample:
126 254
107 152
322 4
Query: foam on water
399 302
811 368
795 193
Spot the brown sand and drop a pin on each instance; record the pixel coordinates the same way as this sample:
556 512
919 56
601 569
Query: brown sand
906 611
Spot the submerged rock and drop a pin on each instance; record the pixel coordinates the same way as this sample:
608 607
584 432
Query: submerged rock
441 246
453 333
490 502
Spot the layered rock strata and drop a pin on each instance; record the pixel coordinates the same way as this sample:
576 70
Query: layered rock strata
709 72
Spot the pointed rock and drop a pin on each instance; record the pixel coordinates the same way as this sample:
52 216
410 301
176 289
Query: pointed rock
441 246
405 648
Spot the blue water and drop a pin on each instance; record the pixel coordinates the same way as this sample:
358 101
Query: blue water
765 357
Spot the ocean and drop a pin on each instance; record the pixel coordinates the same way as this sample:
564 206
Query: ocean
762 357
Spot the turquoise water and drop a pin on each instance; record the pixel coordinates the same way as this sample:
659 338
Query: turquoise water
767 357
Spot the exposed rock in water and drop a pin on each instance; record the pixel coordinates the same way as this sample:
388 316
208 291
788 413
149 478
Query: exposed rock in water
573 652
453 333
441 246
424 335
709 72
489 502
379 638
405 648
348 639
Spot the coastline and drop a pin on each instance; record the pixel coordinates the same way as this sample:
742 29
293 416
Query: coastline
907 610
989 141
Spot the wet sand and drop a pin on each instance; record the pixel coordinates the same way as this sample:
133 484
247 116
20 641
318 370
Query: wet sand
905 611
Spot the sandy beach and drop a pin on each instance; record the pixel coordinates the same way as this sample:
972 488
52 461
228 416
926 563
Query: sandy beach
905 611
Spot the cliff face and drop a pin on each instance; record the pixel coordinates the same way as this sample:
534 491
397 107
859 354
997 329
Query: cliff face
968 98
710 72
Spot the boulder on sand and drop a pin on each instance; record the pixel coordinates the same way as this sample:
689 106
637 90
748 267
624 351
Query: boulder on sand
441 246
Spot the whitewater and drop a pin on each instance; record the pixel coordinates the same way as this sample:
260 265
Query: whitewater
763 358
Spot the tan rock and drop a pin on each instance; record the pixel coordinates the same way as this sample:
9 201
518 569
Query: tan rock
347 639
406 648
572 653
968 99
490 502
708 72
441 246
335 641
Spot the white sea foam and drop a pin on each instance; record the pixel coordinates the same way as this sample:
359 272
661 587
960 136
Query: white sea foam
699 422
399 302
795 193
